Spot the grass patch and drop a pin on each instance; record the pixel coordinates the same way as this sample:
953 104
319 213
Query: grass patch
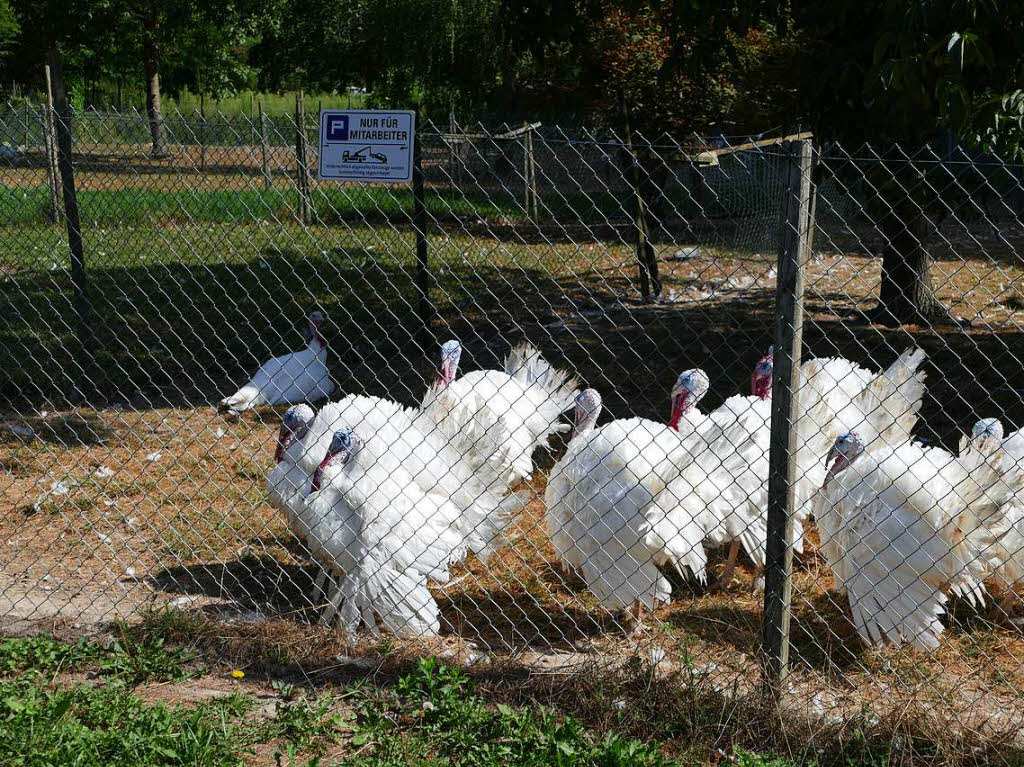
138 205
441 720
431 713
109 727
129 660
304 725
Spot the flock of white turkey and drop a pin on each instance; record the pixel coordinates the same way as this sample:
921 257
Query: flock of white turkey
386 498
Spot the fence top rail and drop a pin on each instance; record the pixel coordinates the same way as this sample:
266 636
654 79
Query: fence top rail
711 157
456 137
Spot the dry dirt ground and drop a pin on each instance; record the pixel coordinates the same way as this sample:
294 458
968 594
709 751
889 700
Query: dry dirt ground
141 504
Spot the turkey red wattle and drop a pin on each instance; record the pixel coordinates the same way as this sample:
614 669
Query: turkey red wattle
682 403
761 379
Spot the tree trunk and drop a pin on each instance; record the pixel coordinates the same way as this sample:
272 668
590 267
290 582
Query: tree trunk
907 294
151 66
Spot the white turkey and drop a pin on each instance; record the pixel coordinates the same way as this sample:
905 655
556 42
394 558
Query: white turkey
462 467
1002 540
292 378
812 417
707 506
913 471
730 474
902 532
595 500
758 402
881 407
450 444
288 482
748 447
529 394
385 537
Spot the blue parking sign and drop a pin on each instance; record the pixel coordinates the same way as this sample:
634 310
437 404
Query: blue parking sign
366 145
337 127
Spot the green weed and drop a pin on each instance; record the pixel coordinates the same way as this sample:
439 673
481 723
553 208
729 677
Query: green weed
129 660
447 723
108 727
303 724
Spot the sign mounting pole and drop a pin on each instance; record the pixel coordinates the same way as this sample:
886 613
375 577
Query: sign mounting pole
380 146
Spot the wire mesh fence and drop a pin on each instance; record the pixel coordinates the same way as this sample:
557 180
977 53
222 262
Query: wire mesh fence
599 494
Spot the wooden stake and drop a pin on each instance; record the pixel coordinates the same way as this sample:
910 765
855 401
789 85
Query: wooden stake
793 255
264 149
302 170
50 139
88 380
647 264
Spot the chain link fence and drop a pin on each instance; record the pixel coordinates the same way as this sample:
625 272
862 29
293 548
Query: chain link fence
483 513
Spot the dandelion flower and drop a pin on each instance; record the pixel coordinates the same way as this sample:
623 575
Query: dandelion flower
237 674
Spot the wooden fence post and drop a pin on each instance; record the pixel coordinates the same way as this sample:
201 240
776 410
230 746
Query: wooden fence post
793 255
534 195
50 141
529 174
264 150
302 170
202 131
647 264
419 222
454 159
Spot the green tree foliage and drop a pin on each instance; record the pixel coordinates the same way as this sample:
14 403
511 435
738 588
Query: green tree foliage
888 71
9 27
473 56
681 66
912 70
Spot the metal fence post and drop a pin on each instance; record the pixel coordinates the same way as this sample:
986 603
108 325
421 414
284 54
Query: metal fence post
302 170
793 255
419 222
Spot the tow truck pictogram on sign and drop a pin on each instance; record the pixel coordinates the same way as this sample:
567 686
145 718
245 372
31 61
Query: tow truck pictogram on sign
363 155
